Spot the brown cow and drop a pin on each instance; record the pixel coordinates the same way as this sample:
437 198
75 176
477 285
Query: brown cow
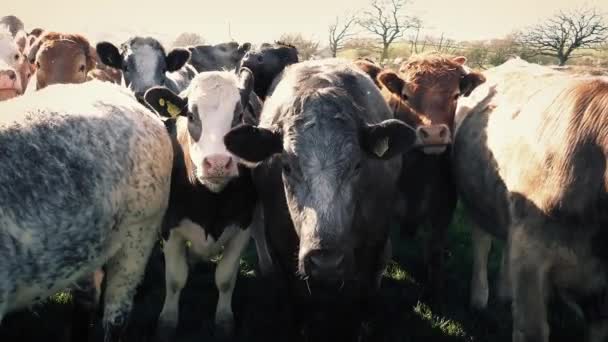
61 58
530 161
424 95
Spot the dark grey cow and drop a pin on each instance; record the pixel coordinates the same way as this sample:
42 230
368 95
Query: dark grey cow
84 183
145 64
326 177
530 156
223 56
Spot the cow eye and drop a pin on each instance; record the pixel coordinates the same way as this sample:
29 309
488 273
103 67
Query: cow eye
16 57
357 167
38 65
190 116
456 96
286 169
81 69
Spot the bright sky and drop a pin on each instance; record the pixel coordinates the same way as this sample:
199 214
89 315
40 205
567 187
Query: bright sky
251 21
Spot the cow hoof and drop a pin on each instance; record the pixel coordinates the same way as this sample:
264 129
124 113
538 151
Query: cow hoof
164 333
224 329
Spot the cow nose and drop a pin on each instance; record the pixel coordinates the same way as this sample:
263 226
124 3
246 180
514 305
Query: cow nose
252 59
8 75
434 135
326 266
217 163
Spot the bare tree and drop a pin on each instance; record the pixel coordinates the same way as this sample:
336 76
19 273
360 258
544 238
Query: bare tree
387 20
306 47
566 32
188 39
339 32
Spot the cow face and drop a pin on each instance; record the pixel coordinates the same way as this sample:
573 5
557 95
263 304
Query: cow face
143 62
13 68
427 92
61 58
268 62
213 104
224 56
325 154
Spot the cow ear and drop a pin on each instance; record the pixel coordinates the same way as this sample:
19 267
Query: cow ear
165 102
245 85
391 81
253 144
387 139
33 50
244 47
459 60
371 69
176 59
470 81
109 55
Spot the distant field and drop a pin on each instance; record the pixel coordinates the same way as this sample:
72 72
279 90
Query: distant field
404 318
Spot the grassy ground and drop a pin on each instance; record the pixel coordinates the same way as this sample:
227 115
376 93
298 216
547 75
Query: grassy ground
405 317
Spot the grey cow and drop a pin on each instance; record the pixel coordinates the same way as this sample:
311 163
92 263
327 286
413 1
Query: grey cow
85 182
145 64
326 176
218 57
529 159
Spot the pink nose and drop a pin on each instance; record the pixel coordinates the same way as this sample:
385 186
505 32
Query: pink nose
217 164
7 79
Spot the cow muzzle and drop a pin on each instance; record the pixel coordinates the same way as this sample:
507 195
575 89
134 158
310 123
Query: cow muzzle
433 139
218 170
325 267
9 85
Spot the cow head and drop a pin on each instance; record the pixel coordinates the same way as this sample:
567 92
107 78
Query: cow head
426 91
213 103
326 154
267 62
143 62
224 56
14 68
61 58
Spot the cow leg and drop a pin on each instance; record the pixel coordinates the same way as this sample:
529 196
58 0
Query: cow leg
504 281
482 243
258 232
176 275
528 267
124 272
225 279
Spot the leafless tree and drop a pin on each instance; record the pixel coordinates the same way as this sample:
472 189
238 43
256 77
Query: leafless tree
339 32
188 39
306 47
566 32
387 19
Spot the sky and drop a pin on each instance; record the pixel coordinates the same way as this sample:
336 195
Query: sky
265 20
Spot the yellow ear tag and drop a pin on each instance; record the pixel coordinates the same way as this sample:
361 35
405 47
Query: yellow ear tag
161 102
381 147
172 109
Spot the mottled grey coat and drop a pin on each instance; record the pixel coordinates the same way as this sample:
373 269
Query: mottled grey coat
84 181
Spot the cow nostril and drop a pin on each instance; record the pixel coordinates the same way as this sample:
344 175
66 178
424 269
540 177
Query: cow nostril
228 163
260 59
12 75
443 133
206 163
424 133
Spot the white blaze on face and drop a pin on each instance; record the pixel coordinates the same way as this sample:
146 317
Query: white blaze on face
146 60
8 51
215 96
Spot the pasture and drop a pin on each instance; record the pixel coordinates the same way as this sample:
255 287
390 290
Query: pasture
405 316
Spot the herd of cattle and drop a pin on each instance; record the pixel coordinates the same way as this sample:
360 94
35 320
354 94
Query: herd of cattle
209 146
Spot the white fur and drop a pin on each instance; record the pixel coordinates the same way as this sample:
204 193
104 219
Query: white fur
146 61
8 50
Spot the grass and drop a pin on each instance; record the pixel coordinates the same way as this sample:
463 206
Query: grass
405 317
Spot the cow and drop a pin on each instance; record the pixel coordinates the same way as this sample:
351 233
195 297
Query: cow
529 160
95 192
144 64
267 63
326 157
61 58
223 56
424 94
15 70
212 195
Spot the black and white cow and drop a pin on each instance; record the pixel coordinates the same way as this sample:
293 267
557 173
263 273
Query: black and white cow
218 57
144 64
84 183
326 176
212 195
